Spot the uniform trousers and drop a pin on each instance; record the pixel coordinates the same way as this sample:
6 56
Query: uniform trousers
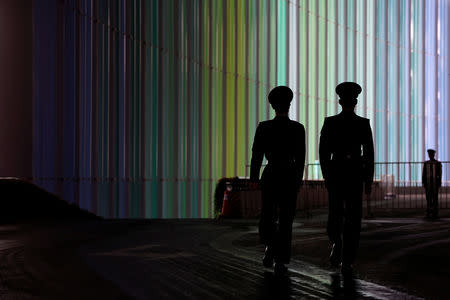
432 195
278 195
345 213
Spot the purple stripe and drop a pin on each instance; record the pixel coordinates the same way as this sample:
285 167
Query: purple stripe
142 54
77 107
94 169
59 100
127 119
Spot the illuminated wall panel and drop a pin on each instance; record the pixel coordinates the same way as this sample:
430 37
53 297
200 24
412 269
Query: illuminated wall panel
143 105
293 48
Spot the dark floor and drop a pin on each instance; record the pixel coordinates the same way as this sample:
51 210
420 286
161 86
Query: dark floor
400 258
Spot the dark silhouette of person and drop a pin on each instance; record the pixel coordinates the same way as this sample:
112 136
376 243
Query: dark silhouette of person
347 162
431 181
282 141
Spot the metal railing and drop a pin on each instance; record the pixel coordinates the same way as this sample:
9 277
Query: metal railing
397 185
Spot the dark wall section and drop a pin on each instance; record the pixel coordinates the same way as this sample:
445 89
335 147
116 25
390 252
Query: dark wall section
16 88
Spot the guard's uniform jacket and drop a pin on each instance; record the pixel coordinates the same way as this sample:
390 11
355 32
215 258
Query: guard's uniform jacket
282 141
347 161
432 180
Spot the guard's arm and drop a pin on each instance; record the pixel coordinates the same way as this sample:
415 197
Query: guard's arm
439 174
257 154
300 156
424 175
368 157
324 150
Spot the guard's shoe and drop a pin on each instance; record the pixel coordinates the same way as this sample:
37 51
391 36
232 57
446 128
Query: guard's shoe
335 256
268 257
280 269
347 269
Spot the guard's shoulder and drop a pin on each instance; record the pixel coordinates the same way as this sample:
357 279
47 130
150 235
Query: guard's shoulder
362 119
263 123
327 124
331 118
296 124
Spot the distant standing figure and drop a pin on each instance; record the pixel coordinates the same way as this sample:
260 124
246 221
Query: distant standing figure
282 141
347 162
432 180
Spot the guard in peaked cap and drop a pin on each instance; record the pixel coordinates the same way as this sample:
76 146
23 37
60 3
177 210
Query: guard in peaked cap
280 98
348 90
280 93
346 170
432 181
282 142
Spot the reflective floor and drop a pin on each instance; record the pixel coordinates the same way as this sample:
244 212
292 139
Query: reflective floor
209 259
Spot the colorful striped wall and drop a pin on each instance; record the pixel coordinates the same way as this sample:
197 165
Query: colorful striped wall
141 106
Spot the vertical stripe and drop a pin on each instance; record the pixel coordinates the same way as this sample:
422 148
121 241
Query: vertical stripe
298 61
306 75
59 104
234 100
210 100
269 53
325 78
77 108
315 86
423 86
160 203
364 75
94 97
200 132
247 87
224 87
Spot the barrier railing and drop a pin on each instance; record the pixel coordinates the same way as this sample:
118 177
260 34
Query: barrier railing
397 185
